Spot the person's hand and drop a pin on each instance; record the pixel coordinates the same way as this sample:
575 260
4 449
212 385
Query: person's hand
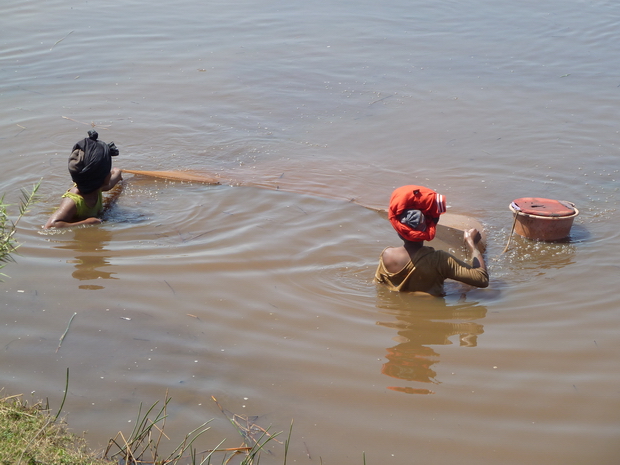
471 237
116 175
112 180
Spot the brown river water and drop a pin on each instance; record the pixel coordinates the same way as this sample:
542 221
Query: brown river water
263 298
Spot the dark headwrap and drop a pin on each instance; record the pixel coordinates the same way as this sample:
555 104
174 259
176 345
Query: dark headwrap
90 162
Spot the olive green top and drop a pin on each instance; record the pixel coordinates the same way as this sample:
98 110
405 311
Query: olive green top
427 271
83 210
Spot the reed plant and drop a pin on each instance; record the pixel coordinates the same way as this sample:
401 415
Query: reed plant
143 445
8 244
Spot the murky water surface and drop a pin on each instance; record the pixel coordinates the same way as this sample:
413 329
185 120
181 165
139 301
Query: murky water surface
264 298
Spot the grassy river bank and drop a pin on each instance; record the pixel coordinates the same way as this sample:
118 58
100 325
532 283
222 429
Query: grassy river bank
30 434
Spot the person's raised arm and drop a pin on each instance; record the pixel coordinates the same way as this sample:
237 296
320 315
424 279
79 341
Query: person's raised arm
114 178
472 239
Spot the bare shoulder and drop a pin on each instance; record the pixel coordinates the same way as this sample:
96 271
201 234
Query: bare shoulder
395 258
390 253
65 213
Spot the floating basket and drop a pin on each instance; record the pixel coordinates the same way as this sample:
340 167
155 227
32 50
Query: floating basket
543 219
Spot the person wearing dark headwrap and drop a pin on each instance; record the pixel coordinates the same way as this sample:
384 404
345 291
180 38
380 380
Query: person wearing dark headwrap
90 167
414 212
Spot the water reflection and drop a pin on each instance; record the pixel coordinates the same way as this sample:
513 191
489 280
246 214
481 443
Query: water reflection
422 322
91 257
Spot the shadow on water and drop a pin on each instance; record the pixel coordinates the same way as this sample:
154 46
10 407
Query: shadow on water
115 211
120 214
422 322
578 233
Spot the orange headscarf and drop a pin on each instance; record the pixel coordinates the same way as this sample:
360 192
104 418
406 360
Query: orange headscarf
429 202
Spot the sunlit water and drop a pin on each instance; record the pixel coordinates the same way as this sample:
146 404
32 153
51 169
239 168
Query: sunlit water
263 298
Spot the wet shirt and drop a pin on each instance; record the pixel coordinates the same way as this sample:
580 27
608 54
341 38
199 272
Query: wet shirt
427 271
83 210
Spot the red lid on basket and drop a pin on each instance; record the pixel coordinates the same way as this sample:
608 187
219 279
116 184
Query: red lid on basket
543 207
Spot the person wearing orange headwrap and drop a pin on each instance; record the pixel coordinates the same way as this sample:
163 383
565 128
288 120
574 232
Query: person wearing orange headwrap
414 212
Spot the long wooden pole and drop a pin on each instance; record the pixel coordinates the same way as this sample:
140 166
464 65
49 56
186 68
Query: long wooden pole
451 226
176 176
